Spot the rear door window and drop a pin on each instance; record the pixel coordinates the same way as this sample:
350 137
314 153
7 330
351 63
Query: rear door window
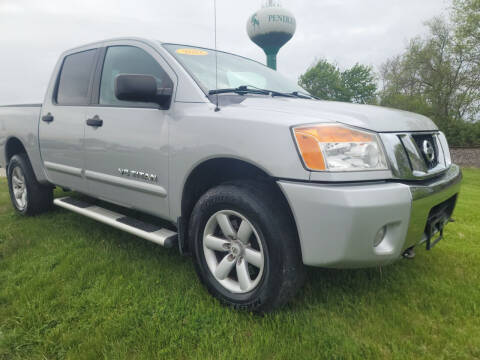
75 77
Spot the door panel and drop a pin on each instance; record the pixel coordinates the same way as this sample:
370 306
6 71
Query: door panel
61 144
126 158
62 122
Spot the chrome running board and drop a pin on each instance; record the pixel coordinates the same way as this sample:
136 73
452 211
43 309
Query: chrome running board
150 232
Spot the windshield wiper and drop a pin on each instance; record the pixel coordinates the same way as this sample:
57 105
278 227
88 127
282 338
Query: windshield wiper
304 95
249 89
238 90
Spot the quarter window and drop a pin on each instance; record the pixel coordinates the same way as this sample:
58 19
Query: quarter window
128 60
74 80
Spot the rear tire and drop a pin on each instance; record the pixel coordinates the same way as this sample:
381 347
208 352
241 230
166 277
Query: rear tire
28 196
246 246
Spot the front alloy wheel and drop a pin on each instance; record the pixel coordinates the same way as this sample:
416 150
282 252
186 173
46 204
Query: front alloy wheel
233 251
246 245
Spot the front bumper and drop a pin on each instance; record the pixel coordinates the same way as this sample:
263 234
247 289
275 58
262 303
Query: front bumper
337 223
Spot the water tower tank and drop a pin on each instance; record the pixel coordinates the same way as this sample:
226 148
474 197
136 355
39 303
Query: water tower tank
270 28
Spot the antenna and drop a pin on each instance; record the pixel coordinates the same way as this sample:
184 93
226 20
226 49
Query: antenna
216 53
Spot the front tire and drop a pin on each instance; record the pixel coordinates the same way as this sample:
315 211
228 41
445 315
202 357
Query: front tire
246 246
28 196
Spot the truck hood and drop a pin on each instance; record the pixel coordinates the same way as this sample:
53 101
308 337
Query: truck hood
375 118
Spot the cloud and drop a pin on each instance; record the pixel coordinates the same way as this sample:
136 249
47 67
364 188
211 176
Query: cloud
34 33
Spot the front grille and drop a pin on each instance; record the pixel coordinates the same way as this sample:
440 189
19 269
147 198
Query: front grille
408 158
428 148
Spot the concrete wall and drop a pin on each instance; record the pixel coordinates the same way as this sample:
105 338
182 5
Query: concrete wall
466 157
2 172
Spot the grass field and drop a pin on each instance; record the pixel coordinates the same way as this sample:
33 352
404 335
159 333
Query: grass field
72 288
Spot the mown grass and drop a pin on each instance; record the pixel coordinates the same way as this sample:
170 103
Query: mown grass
72 288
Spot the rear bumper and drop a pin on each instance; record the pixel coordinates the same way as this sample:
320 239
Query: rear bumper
337 223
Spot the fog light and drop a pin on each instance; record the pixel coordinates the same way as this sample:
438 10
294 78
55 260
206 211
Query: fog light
380 236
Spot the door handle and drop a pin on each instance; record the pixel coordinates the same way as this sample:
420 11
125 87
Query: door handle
95 121
47 118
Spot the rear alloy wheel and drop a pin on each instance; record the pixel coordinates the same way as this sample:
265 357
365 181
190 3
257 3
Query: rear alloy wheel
19 188
246 246
28 196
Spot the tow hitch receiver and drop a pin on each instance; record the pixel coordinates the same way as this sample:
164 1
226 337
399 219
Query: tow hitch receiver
409 253
434 229
439 216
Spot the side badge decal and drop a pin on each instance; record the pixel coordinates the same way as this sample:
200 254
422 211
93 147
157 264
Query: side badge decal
138 174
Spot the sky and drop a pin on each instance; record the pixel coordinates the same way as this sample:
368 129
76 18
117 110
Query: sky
34 33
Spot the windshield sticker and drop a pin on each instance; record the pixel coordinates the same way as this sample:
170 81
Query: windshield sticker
194 52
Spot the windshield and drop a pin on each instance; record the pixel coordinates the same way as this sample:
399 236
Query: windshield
233 71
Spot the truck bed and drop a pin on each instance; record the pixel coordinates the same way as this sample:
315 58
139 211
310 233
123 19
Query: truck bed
21 105
21 122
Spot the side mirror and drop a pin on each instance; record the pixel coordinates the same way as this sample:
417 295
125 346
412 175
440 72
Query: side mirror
141 88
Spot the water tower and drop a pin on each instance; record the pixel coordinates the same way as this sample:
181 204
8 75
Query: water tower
270 28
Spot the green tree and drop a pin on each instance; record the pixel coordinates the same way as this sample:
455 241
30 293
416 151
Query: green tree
322 80
359 84
326 81
431 72
466 16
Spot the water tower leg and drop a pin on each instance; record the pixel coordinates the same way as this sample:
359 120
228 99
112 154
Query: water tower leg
272 61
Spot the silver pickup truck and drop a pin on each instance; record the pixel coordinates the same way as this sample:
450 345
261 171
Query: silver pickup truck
249 173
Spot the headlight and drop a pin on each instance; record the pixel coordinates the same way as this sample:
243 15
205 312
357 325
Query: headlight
332 147
445 148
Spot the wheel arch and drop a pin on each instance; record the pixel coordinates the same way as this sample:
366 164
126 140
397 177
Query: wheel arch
213 172
17 145
13 147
